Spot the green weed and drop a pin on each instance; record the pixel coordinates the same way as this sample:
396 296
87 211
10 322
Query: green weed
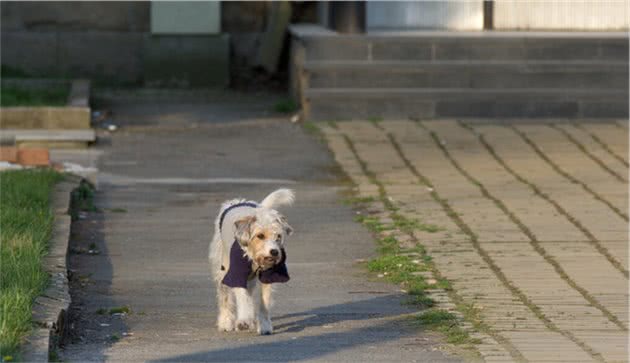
120 310
83 199
286 106
447 323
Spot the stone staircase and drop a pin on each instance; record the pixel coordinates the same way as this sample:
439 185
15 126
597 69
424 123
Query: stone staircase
459 74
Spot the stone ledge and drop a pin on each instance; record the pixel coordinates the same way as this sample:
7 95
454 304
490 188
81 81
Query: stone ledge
79 93
74 115
50 308
46 117
305 29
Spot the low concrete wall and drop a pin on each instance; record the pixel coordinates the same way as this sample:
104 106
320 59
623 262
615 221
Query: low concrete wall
50 309
75 115
112 43
108 42
186 61
52 16
45 118
119 57
98 55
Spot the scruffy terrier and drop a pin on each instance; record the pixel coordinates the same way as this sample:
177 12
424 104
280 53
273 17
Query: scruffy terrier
246 256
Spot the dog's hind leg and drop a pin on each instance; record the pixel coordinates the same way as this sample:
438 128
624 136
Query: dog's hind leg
264 313
227 308
244 307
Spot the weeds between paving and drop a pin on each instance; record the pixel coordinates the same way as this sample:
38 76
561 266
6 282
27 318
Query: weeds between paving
405 267
25 225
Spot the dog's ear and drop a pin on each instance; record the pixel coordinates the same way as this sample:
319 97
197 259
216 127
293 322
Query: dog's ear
242 230
285 225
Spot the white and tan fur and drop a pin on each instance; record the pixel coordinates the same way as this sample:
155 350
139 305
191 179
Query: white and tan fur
259 231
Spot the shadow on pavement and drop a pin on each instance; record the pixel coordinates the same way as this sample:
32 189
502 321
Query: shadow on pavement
353 333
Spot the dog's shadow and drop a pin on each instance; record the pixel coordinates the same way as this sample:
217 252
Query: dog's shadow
383 319
381 306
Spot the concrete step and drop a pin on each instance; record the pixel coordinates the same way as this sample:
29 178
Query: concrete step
469 46
388 103
466 74
63 139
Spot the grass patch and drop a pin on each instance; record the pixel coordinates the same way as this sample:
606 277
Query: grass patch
358 200
14 96
120 310
373 223
25 226
12 72
375 120
409 225
312 129
436 317
285 106
387 245
404 267
447 323
422 301
118 210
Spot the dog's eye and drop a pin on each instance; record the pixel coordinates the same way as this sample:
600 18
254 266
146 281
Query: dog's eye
261 236
279 238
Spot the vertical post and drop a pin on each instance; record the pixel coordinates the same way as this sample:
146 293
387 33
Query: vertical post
488 14
347 16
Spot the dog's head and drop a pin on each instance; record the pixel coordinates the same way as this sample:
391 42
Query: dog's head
263 235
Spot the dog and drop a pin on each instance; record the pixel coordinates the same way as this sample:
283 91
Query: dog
246 256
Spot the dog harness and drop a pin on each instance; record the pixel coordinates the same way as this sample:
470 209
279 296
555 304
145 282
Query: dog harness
241 267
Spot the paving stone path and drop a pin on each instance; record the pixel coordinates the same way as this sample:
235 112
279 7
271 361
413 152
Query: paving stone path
533 224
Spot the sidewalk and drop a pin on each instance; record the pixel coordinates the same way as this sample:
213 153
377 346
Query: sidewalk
160 186
533 224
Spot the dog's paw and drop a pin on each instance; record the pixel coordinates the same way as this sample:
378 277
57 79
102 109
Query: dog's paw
225 325
265 327
243 325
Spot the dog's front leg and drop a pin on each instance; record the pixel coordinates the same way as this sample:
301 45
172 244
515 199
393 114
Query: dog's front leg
225 321
244 309
264 307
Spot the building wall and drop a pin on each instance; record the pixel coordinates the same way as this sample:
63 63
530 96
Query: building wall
561 15
416 15
575 15
125 16
186 17
77 39
112 42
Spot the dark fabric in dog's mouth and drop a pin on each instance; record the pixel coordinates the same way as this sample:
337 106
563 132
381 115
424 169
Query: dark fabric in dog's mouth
278 273
241 270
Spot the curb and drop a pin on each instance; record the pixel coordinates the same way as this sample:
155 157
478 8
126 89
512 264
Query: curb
50 308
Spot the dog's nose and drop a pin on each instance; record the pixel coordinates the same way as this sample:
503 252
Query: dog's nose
274 252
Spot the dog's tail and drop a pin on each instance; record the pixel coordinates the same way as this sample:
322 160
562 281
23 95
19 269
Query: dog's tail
278 198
